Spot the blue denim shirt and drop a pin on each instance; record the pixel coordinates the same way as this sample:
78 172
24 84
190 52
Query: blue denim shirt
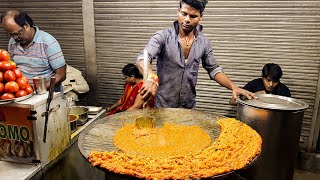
178 76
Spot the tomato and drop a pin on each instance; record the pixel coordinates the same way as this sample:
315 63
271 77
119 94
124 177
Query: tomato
1 76
22 82
11 87
1 87
13 64
21 93
25 78
5 65
29 89
6 96
4 55
17 72
9 76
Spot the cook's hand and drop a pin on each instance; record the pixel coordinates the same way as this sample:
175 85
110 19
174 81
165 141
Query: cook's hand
239 91
148 89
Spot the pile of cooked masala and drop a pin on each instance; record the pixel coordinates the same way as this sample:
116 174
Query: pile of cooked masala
167 141
180 152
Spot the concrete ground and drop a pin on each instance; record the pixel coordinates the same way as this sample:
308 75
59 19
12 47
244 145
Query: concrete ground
307 166
306 175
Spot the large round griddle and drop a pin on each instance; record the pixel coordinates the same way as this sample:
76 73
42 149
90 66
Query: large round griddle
99 135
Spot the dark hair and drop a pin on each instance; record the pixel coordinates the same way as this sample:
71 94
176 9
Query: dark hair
197 4
272 71
131 70
23 18
20 17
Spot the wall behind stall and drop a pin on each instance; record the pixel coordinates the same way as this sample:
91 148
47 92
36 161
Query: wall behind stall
245 35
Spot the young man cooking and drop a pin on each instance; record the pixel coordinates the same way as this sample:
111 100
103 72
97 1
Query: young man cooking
179 52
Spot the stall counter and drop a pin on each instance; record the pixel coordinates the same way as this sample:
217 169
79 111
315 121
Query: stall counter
19 171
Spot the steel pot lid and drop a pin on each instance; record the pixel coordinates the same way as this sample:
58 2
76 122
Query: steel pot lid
275 102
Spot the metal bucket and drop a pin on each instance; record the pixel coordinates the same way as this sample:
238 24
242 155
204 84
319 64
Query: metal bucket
278 120
82 112
40 84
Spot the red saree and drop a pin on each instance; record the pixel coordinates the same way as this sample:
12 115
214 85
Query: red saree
128 98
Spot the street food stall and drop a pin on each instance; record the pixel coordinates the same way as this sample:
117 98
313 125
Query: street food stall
283 32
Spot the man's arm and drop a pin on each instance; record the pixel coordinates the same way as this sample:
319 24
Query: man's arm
60 75
149 88
56 59
153 48
224 81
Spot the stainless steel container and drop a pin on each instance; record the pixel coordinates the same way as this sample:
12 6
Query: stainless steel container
73 122
278 120
40 84
82 112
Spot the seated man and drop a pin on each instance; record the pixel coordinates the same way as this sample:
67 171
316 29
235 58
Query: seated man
36 52
269 83
131 99
74 83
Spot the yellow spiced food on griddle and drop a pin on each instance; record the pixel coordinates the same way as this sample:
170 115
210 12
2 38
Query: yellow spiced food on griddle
169 140
237 145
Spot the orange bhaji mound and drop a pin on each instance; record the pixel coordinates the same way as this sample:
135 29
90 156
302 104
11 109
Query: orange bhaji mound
167 141
236 146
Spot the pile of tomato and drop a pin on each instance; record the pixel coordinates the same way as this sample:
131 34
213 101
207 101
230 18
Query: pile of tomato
12 82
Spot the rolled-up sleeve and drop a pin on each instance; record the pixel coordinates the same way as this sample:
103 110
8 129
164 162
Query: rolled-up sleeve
153 47
208 61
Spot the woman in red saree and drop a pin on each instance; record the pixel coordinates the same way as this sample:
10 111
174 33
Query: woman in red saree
131 99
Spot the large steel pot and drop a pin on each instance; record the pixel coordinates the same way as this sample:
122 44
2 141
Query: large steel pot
278 120
82 112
